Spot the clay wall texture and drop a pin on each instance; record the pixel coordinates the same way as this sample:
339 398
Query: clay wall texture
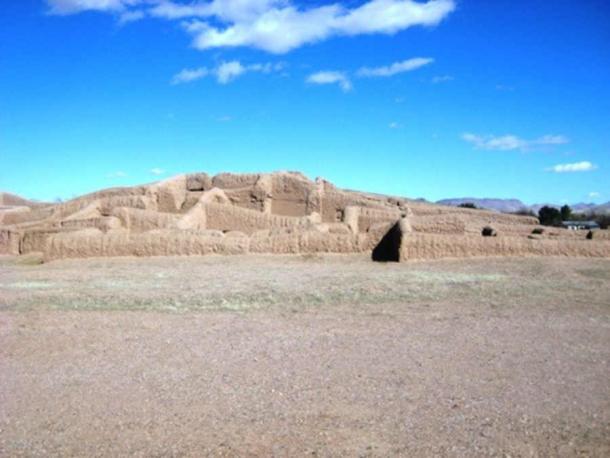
282 212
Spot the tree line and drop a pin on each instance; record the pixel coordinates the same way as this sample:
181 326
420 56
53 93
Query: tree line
551 216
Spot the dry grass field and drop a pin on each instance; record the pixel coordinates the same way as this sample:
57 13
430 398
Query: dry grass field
317 356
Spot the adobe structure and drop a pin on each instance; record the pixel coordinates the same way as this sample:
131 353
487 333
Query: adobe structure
283 212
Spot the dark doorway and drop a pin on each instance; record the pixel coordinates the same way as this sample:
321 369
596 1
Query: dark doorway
388 249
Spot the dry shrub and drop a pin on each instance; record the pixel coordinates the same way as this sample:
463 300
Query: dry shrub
489 231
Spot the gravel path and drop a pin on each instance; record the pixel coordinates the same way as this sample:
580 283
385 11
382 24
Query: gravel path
481 360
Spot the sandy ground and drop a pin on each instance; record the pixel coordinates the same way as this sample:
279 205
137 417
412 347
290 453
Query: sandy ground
318 356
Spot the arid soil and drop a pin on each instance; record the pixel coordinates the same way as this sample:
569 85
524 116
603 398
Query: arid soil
292 356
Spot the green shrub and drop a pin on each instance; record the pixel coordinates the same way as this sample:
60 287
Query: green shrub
549 216
468 205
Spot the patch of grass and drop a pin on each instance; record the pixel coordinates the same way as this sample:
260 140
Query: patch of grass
242 284
454 277
602 274
29 285
30 259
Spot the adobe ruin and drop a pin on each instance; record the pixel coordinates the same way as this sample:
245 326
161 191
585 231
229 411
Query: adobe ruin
279 213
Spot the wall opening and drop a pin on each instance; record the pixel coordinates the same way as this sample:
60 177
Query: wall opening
388 248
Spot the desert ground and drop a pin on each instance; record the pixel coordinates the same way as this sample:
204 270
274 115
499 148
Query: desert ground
304 355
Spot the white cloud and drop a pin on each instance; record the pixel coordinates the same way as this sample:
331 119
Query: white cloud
227 11
552 140
342 79
170 10
442 79
594 194
225 72
117 174
331 77
188 75
157 171
278 26
131 16
63 7
394 125
391 16
584 166
504 143
228 71
276 31
267 68
512 142
395 68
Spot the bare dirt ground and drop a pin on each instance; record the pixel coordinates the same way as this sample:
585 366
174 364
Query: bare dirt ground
285 356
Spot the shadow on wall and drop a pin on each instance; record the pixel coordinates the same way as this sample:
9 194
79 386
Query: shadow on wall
388 249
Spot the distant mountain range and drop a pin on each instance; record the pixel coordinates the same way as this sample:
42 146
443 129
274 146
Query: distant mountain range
13 200
513 205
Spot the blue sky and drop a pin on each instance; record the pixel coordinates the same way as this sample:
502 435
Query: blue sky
421 99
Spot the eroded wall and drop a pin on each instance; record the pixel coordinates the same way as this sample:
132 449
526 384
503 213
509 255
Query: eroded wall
282 212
